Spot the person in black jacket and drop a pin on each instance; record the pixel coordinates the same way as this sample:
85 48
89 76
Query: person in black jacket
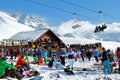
106 62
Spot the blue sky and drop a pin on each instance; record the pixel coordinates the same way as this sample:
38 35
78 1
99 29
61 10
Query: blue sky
55 17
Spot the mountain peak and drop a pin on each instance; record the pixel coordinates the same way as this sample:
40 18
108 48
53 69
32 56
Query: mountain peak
32 21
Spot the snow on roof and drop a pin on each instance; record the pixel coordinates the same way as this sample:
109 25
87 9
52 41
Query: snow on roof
68 40
29 35
107 44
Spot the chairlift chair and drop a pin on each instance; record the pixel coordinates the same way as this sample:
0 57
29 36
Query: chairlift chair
76 26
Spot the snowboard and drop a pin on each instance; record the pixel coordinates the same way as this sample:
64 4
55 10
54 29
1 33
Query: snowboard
117 70
36 77
68 71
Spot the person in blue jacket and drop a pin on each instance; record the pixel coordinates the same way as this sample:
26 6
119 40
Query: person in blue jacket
62 57
96 54
40 56
82 54
45 56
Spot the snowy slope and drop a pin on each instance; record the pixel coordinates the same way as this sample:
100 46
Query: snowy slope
52 73
30 20
9 26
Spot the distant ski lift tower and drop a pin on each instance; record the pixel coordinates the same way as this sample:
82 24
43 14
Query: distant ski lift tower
103 26
101 17
74 23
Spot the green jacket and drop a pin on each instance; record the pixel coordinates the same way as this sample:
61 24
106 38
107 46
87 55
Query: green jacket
4 66
35 58
27 58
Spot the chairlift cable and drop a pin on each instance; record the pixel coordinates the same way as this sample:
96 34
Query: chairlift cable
38 3
89 9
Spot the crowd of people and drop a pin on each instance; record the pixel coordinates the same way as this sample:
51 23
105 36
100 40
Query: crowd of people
40 57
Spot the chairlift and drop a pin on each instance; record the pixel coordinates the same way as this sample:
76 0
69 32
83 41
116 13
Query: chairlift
76 26
102 27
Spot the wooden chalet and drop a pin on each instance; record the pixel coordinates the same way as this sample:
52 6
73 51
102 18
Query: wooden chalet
48 40
44 38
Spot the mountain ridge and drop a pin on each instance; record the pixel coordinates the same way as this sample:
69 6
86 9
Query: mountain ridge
29 22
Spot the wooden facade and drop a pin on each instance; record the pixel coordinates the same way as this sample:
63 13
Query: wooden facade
49 40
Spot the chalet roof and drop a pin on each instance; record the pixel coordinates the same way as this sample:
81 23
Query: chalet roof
29 35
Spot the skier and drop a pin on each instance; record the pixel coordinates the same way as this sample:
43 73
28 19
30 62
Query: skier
111 59
35 57
27 58
106 62
11 53
22 65
7 70
118 55
40 57
78 55
62 57
96 54
50 63
71 57
5 52
82 54
57 64
45 56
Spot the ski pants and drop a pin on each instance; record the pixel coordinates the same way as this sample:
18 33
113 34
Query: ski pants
106 66
45 60
13 73
62 60
71 62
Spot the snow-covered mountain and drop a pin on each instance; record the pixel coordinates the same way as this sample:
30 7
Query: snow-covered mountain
11 24
86 30
30 20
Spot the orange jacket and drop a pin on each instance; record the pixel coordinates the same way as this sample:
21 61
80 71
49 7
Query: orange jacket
20 62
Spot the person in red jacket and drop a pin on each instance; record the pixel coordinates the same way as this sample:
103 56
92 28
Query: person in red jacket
118 55
22 64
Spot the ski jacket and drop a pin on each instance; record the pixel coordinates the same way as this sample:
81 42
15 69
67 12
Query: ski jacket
62 53
45 54
27 58
96 53
118 58
111 57
35 58
40 54
82 53
105 55
20 62
71 55
118 54
4 67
